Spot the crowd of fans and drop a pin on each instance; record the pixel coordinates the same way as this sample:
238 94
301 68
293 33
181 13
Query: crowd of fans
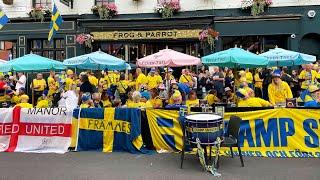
160 89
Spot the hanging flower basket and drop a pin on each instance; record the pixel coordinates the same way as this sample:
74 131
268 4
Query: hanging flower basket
167 8
85 39
256 7
7 2
40 13
208 37
105 11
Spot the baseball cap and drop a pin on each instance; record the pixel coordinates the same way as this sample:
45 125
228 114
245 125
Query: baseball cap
69 72
276 73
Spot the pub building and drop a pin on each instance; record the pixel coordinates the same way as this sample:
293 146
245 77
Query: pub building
132 36
137 35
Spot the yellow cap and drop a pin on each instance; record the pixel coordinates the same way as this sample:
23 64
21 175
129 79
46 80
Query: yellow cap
313 88
24 97
69 72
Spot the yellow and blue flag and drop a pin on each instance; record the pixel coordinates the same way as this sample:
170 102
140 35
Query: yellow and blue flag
165 129
3 19
109 130
56 22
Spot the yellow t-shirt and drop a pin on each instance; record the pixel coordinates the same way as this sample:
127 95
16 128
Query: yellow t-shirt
249 77
141 80
185 78
192 103
122 86
41 83
43 104
153 81
69 83
279 94
136 105
25 105
258 81
154 103
85 105
15 99
53 86
305 75
211 98
93 80
107 103
254 102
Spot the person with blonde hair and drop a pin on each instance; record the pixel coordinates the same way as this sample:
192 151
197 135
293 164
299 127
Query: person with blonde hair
24 102
155 101
278 90
69 80
307 76
136 103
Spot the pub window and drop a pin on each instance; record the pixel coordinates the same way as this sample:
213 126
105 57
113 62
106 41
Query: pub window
54 50
42 3
101 2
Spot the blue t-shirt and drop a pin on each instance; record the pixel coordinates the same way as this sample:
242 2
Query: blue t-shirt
145 94
183 88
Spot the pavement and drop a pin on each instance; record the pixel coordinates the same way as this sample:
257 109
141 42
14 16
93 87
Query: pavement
97 165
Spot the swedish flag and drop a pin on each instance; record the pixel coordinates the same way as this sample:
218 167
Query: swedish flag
3 19
109 130
165 129
56 22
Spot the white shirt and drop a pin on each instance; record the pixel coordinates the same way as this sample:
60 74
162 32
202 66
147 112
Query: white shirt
23 80
69 100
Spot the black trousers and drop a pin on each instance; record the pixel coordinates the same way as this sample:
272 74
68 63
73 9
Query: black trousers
36 96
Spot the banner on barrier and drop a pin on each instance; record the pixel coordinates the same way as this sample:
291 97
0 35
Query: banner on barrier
165 129
109 130
35 130
267 133
279 133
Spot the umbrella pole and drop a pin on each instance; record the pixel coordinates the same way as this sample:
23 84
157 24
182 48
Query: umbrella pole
32 94
234 84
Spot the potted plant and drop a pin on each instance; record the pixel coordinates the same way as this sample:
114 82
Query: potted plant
7 2
39 13
208 36
105 11
257 7
86 39
166 8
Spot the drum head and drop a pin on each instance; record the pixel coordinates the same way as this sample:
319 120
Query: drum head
203 117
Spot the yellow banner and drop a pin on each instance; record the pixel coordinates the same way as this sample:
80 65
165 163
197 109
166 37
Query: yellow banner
267 133
156 34
279 133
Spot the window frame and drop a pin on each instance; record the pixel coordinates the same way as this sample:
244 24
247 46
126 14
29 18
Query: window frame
103 1
53 49
34 3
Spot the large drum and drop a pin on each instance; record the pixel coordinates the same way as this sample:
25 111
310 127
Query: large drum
205 126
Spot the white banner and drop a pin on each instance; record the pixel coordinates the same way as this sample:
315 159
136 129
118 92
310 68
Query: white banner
46 130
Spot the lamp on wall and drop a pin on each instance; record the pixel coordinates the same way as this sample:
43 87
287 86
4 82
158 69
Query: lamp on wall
311 13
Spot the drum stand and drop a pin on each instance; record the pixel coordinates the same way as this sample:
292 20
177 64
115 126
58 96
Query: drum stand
203 157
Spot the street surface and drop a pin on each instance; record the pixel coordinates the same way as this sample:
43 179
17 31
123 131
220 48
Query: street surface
97 165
